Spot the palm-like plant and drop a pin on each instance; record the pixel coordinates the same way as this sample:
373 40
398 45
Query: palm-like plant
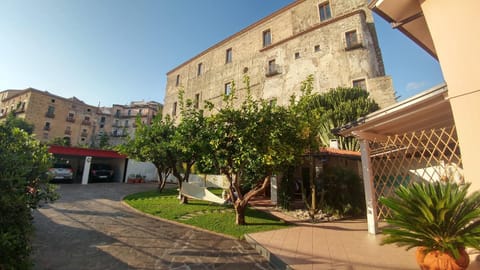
436 216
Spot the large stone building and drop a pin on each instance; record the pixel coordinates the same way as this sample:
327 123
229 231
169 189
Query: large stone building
333 40
71 119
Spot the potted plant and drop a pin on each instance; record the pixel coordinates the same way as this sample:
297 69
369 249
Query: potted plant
439 218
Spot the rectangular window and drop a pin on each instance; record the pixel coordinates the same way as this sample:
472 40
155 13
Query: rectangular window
129 112
50 112
197 101
126 123
228 56
316 48
267 38
360 84
228 88
47 126
272 68
297 55
177 82
324 11
102 119
174 109
351 39
199 69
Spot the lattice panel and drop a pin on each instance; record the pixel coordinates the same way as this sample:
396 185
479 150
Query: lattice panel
427 155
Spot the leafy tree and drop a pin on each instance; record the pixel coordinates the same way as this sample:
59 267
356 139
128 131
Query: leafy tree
309 116
318 115
190 141
59 141
249 144
153 143
23 185
13 121
104 141
340 106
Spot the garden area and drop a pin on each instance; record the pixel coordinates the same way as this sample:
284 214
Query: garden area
202 214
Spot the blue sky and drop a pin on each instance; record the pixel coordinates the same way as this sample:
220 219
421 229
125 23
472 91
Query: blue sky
117 51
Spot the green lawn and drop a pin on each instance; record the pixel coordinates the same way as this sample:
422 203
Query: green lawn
202 214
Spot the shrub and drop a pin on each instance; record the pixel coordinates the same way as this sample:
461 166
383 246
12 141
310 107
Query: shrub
23 186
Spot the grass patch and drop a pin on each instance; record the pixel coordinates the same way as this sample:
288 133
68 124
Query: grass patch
202 214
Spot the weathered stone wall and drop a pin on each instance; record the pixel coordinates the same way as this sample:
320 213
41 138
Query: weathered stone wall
296 29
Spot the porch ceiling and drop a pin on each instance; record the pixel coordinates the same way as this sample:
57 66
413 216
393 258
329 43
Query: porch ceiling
428 110
406 15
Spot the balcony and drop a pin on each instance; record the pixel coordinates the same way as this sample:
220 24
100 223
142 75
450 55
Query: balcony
68 132
273 70
50 115
86 122
70 119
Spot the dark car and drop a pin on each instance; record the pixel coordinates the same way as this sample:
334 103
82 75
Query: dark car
100 171
61 171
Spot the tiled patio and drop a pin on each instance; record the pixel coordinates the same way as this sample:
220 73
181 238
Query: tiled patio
332 245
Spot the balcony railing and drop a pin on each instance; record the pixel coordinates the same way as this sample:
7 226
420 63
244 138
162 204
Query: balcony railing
68 132
50 115
70 119
273 70
86 122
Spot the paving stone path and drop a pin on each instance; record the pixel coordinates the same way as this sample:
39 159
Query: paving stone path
89 228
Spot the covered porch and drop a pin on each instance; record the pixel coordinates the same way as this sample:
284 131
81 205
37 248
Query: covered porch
413 140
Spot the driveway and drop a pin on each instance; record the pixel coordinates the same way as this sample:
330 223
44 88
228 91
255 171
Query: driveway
89 228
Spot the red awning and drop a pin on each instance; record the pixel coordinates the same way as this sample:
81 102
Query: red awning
84 152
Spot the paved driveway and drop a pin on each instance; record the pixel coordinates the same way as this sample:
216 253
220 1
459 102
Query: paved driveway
89 228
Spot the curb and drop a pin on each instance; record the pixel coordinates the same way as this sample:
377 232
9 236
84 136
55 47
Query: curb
174 222
274 260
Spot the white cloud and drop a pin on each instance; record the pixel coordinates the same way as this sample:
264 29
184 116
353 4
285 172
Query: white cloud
415 86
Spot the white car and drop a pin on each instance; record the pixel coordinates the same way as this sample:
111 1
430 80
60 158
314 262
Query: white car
61 171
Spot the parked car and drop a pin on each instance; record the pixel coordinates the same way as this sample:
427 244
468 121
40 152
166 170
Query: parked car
100 171
61 171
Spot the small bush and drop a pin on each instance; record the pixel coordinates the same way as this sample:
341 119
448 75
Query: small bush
23 186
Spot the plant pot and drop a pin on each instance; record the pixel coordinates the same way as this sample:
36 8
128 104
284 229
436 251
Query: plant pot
437 260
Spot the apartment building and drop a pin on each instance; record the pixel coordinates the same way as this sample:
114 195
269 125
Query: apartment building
123 118
52 116
333 40
78 123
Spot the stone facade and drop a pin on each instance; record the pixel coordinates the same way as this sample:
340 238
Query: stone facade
73 120
281 50
52 116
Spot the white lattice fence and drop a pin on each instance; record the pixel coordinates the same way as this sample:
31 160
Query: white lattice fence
427 155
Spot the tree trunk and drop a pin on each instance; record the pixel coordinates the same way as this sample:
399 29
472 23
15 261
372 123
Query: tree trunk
240 213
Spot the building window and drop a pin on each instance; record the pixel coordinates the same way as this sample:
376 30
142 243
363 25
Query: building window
126 123
117 113
129 112
46 126
228 88
177 82
53 100
197 101
199 69
71 117
116 123
272 68
324 11
102 119
50 112
102 125
228 56
316 48
267 38
174 109
360 84
351 39
297 55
